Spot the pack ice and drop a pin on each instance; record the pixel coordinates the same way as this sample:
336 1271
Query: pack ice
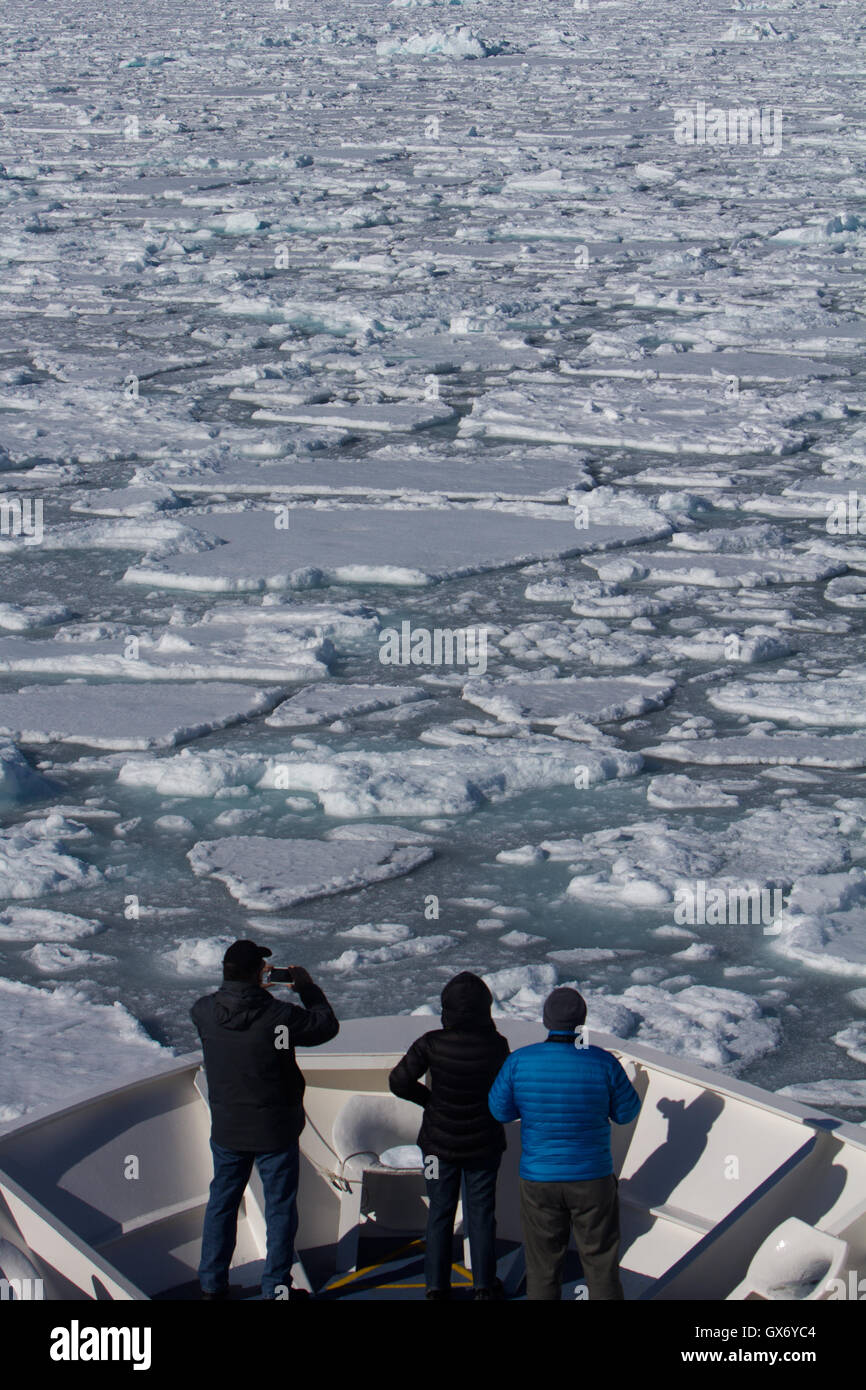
315 324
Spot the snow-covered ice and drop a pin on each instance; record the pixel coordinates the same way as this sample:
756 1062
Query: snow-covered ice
90 1045
42 924
264 873
359 545
127 716
320 704
831 702
34 861
563 702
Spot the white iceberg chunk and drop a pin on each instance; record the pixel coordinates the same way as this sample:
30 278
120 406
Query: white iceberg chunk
457 41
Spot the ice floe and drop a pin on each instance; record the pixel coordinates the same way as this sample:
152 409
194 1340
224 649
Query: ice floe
261 872
831 702
676 793
457 41
824 923
357 545
321 704
91 1045
649 864
635 415
126 715
455 778
57 958
570 702
33 859
44 924
766 749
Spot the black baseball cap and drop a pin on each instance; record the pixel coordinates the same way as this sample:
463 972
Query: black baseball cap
245 955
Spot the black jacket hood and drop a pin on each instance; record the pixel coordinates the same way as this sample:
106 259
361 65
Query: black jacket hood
466 1002
238 1005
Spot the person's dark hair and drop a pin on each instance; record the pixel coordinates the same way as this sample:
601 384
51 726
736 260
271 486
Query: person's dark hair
239 975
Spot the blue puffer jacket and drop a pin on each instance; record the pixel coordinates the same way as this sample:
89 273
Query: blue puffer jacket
565 1097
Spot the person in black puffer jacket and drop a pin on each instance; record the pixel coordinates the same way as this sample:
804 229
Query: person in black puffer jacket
459 1138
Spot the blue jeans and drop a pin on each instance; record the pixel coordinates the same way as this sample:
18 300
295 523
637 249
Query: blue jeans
479 1214
231 1173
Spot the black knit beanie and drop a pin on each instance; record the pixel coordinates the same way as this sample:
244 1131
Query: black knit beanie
564 1010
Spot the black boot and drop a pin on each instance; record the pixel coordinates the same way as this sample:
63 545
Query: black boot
496 1292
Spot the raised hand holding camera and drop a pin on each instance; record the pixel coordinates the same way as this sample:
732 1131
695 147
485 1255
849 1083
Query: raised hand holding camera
295 976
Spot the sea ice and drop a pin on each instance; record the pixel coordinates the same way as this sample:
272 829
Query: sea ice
128 716
457 41
675 793
386 317
832 702
453 779
266 873
378 933
646 864
718 571
770 749
44 924
33 860
321 704
636 415
91 1045
823 924
853 1040
58 958
721 1028
569 701
18 780
831 1093
19 617
354 960
355 545
205 651
198 956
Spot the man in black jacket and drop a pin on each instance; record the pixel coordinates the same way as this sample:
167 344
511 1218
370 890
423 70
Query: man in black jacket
256 1094
459 1137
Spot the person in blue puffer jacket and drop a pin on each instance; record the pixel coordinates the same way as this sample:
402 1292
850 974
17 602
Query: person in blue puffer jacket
566 1097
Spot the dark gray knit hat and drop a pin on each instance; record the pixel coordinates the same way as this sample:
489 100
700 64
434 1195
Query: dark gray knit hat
564 1010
